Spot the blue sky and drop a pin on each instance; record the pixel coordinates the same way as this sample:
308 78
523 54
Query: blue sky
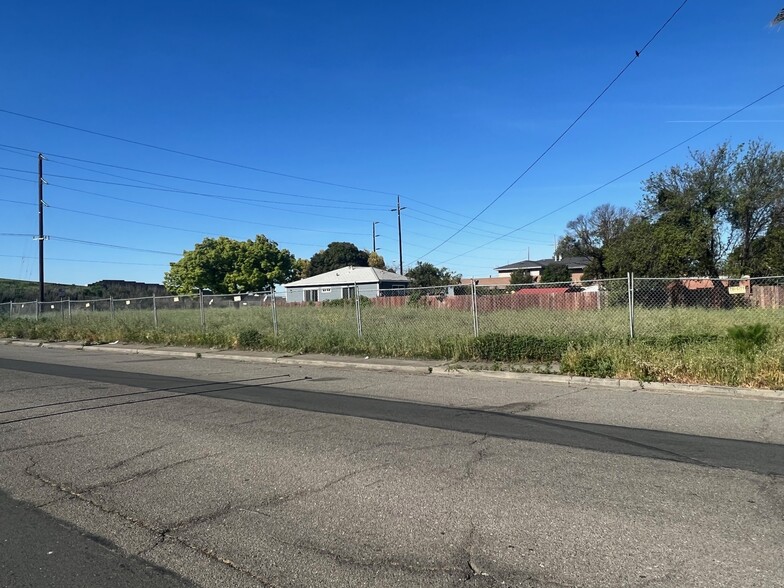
444 103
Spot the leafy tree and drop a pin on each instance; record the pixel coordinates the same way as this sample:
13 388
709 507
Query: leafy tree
650 250
376 260
764 257
555 272
521 277
301 267
757 205
692 200
589 236
425 274
225 265
337 254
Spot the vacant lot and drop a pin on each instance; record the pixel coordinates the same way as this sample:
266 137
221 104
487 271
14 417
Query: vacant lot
671 344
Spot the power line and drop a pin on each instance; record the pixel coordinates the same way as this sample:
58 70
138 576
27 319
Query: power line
201 214
135 222
192 155
452 212
626 173
480 232
636 56
112 262
110 245
247 201
52 158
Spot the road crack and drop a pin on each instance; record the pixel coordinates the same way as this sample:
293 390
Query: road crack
145 473
48 443
135 456
161 534
285 498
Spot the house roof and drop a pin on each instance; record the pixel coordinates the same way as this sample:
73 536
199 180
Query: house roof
347 276
527 264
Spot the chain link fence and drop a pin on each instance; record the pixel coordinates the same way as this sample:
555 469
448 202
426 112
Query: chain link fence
428 321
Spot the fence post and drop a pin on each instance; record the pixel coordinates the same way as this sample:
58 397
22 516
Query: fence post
11 310
154 310
358 311
201 310
274 312
69 310
474 309
37 309
630 286
111 306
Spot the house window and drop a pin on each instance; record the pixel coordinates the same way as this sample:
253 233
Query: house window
311 295
326 290
349 292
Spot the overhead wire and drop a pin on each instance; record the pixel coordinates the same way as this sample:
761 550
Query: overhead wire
113 262
53 158
192 155
201 214
626 173
558 139
110 245
245 201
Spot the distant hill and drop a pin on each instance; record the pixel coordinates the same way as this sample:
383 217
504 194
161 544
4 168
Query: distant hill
26 291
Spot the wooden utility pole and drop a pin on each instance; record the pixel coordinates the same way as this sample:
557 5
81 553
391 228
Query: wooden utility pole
374 235
399 233
40 228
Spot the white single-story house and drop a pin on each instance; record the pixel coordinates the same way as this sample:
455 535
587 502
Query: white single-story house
346 282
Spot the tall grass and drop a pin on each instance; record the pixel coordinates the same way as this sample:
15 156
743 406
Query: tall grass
683 344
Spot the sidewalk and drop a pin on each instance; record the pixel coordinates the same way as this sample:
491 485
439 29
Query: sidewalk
436 367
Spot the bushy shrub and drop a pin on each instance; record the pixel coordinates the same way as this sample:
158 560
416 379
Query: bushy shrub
511 348
749 338
593 362
251 339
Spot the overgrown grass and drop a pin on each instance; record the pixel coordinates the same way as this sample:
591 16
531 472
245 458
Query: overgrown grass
743 347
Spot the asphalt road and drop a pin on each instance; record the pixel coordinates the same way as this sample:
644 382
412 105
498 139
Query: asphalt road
40 551
241 474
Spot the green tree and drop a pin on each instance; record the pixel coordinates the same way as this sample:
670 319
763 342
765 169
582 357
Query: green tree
337 255
555 272
764 257
756 206
425 274
651 249
590 235
376 260
693 199
520 276
225 265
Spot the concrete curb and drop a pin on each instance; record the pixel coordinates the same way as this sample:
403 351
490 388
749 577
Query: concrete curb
424 369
